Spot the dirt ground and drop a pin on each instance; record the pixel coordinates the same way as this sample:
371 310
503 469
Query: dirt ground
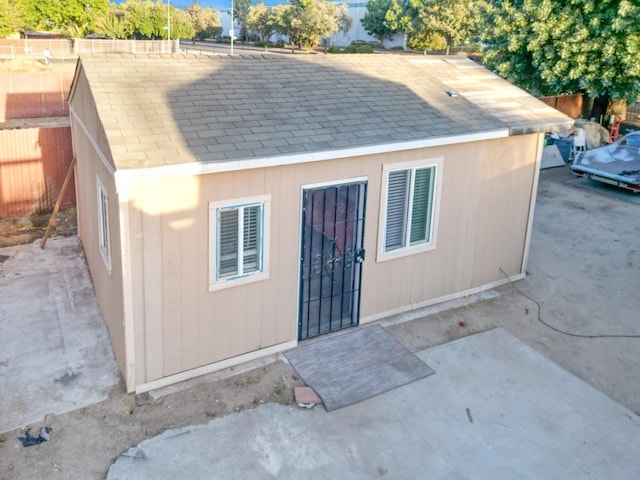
84 443
18 231
36 65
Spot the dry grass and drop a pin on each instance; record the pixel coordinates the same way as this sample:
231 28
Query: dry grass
32 65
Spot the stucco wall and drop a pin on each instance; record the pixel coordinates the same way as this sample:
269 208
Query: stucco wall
33 165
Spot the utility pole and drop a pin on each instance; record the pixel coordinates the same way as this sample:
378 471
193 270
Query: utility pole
231 31
169 24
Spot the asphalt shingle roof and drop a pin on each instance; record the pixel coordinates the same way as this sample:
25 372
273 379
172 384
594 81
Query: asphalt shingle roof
159 110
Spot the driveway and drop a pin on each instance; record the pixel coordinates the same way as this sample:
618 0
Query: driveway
495 409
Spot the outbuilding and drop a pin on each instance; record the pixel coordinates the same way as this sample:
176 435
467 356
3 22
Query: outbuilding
231 207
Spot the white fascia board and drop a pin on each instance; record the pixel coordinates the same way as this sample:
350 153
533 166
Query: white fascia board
196 168
92 140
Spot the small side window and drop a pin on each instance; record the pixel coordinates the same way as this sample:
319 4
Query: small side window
103 224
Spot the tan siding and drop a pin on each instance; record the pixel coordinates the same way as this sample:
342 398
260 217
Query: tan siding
483 218
136 235
153 301
107 286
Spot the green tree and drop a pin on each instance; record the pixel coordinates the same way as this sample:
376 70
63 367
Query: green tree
73 17
240 12
306 21
375 22
453 21
433 24
264 21
181 24
205 21
549 47
148 20
138 19
112 25
11 17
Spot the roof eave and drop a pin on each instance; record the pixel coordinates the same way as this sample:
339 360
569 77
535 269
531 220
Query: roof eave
540 128
201 168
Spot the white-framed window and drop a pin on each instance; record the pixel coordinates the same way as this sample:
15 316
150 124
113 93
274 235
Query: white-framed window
409 208
103 223
238 241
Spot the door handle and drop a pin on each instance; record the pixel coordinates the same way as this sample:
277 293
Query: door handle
360 255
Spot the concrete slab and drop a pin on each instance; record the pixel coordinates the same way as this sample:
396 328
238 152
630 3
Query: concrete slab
605 189
495 409
55 352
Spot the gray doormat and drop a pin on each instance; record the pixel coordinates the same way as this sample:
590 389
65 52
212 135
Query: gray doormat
354 366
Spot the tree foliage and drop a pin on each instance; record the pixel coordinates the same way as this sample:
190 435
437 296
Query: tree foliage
435 20
11 17
427 24
374 20
73 17
264 21
306 21
144 20
112 25
205 21
241 10
558 47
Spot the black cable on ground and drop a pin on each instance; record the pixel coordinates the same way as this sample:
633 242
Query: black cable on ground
556 329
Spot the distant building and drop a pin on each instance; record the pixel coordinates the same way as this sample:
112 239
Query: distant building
357 10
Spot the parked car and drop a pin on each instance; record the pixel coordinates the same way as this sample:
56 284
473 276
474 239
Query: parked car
616 164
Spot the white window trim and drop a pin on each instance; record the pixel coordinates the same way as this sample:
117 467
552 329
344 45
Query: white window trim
216 283
382 222
104 230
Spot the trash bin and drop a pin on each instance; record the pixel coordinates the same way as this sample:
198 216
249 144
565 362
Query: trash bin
564 146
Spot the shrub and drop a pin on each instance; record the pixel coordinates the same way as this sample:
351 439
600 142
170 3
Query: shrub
397 47
351 49
280 44
357 43
335 50
259 44
365 49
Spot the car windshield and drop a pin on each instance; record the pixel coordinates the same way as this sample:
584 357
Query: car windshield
632 140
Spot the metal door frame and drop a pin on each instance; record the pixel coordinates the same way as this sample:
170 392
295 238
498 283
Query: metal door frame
363 180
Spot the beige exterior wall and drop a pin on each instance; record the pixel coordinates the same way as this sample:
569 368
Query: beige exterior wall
107 282
180 325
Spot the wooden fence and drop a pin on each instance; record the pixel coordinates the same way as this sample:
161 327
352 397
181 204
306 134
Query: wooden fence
571 105
34 48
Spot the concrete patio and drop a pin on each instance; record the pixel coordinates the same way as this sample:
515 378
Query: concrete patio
495 409
55 353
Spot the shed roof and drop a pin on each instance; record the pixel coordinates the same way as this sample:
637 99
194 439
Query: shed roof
180 109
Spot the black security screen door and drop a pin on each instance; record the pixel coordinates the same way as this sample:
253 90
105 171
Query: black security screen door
331 258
